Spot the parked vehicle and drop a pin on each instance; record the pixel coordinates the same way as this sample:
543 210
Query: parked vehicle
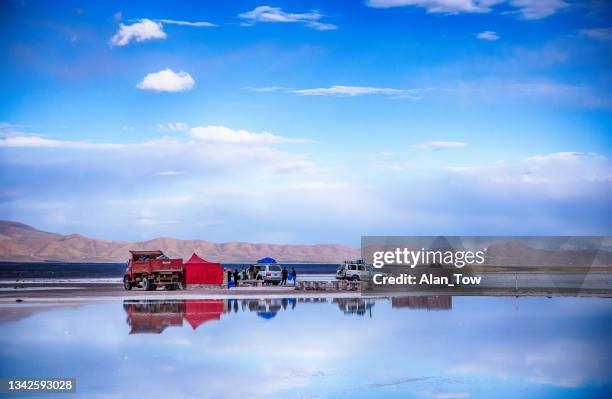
354 270
152 269
269 273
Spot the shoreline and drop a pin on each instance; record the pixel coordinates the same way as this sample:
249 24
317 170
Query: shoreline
108 292
65 290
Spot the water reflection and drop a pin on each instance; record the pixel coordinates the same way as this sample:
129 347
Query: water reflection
154 316
355 306
146 317
434 302
412 347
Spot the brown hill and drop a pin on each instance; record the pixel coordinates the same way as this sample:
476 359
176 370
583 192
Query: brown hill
20 242
516 253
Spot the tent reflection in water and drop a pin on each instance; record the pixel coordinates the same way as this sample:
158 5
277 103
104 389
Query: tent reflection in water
200 272
198 312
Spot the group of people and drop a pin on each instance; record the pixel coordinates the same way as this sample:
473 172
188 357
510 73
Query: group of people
251 273
285 275
236 276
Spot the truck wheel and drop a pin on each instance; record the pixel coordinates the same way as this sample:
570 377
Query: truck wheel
152 285
127 284
355 278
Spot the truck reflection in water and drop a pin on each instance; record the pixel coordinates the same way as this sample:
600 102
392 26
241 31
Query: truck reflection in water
154 316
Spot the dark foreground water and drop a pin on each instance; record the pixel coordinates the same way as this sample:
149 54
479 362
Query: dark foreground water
50 270
419 347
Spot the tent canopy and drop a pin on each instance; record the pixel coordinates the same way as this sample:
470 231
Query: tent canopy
195 259
267 260
201 271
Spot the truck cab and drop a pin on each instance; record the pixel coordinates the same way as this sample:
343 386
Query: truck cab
150 269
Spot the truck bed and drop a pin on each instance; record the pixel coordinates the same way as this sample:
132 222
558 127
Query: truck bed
157 265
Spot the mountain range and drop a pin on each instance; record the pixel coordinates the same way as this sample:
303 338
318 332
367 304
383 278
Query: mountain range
23 243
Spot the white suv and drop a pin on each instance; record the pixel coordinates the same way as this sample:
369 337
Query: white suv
354 271
269 273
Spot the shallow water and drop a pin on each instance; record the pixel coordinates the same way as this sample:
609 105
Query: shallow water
417 347
10 271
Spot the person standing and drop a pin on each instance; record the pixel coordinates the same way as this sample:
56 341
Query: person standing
294 276
236 277
284 274
229 277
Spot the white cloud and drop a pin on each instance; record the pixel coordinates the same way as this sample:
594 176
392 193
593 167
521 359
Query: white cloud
604 34
37 141
276 15
167 80
198 135
445 394
268 89
560 173
7 128
144 29
538 9
488 35
349 91
441 145
153 222
172 127
128 128
486 89
208 147
222 134
438 6
526 9
187 23
478 89
169 173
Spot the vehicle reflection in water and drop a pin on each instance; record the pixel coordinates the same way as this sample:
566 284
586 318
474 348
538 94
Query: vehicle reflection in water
434 302
355 306
154 316
411 347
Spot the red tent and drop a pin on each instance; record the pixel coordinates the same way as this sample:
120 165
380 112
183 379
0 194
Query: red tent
198 312
200 271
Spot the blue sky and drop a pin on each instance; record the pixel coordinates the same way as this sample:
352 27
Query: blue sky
306 122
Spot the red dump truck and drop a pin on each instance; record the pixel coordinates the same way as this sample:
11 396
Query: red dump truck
152 269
